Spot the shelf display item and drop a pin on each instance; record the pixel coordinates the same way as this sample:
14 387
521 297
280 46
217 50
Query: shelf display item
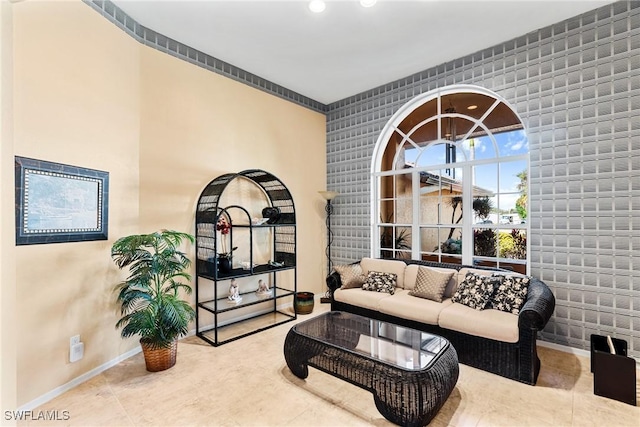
272 214
263 289
224 265
246 265
234 292
223 226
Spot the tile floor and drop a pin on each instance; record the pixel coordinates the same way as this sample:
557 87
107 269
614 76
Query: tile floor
247 383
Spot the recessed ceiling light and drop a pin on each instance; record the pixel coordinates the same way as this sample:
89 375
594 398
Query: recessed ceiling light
367 3
317 6
472 107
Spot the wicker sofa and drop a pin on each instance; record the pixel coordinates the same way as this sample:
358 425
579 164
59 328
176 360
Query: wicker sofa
495 341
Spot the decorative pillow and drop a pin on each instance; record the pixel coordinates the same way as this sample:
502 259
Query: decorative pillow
351 275
476 289
511 294
380 282
430 283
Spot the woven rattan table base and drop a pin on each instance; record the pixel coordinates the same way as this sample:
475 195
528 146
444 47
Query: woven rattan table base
404 397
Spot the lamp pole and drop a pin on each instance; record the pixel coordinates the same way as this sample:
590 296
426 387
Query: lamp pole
328 208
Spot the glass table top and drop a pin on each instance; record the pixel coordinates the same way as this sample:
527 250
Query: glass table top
386 342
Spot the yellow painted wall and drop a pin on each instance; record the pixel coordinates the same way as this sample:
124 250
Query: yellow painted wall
87 94
7 263
76 86
197 125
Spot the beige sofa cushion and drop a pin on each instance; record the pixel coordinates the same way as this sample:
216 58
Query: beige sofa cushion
411 273
431 283
351 275
492 324
409 307
385 266
360 298
453 285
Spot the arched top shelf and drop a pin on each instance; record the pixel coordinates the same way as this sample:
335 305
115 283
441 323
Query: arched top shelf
275 190
266 251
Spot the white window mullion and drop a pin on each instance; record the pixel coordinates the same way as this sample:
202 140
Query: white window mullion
375 217
467 215
415 226
528 220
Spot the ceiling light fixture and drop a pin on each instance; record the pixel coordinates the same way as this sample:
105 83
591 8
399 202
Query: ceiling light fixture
472 107
367 3
317 6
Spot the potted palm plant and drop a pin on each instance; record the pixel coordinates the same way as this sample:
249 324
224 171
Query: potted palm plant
149 298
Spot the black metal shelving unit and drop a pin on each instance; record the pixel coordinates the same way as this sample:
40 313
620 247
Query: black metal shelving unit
282 239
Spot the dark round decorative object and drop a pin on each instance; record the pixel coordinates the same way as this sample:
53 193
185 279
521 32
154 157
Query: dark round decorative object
224 265
273 213
303 302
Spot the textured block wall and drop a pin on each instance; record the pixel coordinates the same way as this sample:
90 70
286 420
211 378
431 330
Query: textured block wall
576 86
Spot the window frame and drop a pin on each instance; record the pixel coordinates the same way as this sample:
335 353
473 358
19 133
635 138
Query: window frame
467 225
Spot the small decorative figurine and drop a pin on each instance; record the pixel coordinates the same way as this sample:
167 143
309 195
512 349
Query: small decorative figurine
234 292
263 288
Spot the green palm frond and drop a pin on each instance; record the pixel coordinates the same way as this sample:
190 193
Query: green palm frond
149 297
133 300
176 286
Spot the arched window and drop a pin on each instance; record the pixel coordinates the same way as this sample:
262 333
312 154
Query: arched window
449 181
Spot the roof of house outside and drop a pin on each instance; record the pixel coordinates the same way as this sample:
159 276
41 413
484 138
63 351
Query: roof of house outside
432 179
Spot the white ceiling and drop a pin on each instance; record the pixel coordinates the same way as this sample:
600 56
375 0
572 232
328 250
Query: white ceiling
346 49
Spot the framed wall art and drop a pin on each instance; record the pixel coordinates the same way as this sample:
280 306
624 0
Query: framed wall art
58 203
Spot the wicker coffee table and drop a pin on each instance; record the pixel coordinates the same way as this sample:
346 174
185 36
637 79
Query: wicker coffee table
410 373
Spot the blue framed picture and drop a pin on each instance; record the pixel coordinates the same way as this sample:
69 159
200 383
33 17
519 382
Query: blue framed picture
58 203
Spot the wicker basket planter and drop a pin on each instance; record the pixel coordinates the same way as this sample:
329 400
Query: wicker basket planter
149 302
159 359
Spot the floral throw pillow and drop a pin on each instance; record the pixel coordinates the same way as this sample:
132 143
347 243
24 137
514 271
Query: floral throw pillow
380 282
476 290
511 294
430 283
351 275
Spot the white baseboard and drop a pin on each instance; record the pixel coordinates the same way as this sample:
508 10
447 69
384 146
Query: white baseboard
564 348
576 351
77 381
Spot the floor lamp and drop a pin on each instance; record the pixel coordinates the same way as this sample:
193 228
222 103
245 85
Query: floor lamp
328 196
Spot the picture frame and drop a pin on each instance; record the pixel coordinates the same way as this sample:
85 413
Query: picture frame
58 203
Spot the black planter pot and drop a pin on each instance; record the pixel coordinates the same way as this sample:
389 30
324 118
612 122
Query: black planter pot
224 265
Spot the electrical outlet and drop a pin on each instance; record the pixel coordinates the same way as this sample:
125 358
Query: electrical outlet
76 352
76 349
74 340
